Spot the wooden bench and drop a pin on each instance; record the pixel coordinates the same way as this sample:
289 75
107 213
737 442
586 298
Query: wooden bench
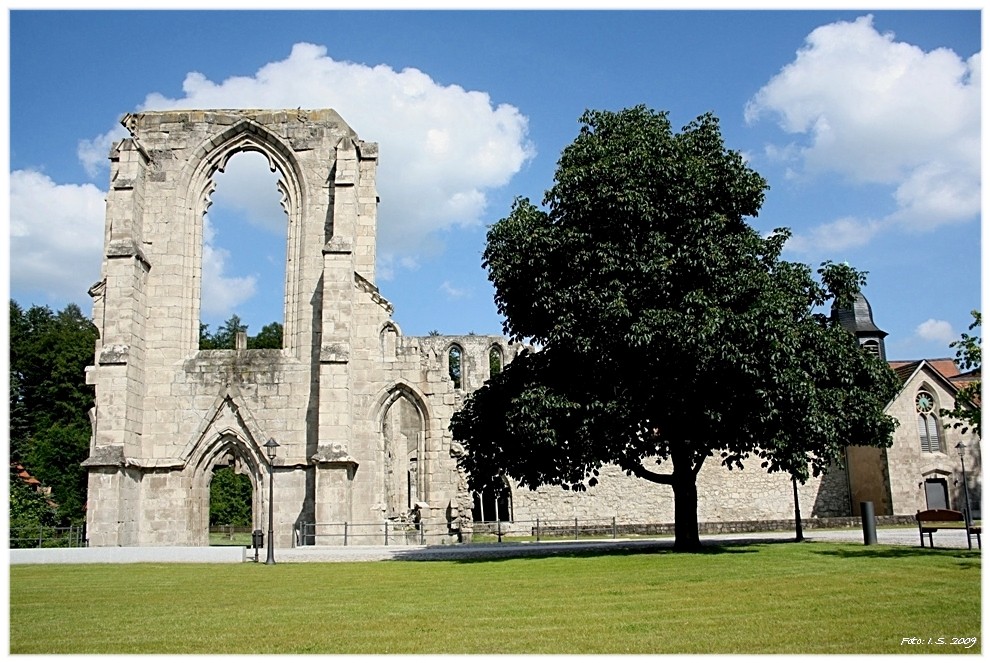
933 520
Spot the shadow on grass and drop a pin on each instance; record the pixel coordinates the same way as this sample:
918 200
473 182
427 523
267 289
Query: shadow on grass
496 552
901 552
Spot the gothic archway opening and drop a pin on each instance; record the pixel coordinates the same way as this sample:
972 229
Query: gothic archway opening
243 270
403 434
233 500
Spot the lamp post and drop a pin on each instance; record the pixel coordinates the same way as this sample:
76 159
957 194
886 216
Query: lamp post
961 449
270 446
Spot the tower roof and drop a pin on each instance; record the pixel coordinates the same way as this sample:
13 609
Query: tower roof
859 318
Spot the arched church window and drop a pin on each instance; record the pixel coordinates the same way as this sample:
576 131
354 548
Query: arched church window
929 428
495 361
455 367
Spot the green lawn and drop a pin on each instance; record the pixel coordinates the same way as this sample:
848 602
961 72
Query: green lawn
739 599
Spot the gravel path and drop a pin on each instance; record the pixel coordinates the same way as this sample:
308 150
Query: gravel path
900 536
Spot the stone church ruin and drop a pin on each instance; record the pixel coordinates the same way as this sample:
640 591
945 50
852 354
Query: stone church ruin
359 411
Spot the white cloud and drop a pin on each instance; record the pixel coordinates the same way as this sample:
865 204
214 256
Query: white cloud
452 291
56 245
936 330
844 233
221 293
441 147
56 236
250 187
94 154
879 111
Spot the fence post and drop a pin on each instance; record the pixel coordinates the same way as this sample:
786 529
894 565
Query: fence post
614 531
422 534
499 526
575 529
345 532
386 532
537 529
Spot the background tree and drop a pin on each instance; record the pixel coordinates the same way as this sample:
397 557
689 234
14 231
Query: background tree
50 400
270 336
967 408
230 498
670 328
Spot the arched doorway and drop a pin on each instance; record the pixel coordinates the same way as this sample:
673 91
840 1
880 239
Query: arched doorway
231 502
403 436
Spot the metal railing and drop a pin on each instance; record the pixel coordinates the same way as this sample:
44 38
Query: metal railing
397 533
73 536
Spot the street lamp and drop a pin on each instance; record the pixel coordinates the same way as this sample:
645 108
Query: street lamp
961 448
270 446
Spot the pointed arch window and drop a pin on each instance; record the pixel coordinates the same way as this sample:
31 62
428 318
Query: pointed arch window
455 367
929 427
494 360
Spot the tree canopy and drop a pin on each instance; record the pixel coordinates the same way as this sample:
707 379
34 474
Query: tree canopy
50 403
967 409
270 336
669 327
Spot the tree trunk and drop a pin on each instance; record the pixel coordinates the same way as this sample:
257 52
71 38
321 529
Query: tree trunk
686 537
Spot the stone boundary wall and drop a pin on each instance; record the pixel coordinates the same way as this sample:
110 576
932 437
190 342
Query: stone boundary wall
130 555
667 528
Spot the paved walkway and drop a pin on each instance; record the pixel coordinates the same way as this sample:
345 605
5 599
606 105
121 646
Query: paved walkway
900 536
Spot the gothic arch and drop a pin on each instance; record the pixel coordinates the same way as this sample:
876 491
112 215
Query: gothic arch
404 447
388 340
196 185
244 455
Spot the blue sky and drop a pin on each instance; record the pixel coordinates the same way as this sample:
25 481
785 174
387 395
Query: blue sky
865 124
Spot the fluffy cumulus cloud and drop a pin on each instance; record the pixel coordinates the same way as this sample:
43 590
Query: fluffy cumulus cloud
878 111
936 330
56 236
222 293
441 147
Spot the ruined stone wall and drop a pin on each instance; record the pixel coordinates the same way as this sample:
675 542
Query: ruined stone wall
723 495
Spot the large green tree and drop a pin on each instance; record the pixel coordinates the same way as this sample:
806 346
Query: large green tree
50 400
670 329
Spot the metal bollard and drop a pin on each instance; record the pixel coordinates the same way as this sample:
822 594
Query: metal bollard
869 523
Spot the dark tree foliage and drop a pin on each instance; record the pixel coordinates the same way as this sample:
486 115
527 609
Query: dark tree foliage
230 498
50 400
670 328
270 336
29 509
967 409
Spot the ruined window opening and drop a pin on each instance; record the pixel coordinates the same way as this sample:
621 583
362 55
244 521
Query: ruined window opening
492 505
245 240
495 360
388 340
455 365
402 441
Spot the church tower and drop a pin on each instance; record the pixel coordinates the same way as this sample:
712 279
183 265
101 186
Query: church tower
859 320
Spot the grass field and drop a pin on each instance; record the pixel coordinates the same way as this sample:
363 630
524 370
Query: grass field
739 599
